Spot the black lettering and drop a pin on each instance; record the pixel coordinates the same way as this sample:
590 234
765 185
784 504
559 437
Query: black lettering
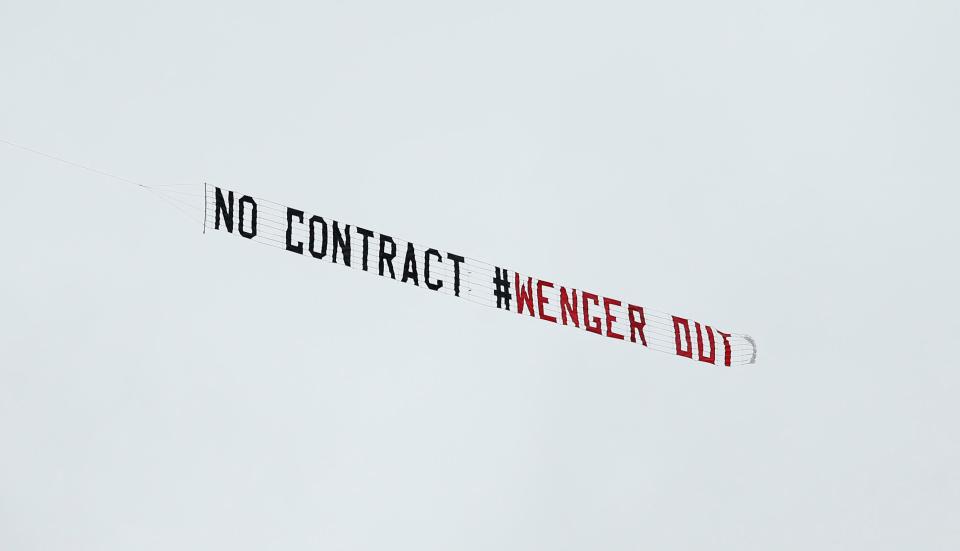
225 207
426 269
384 239
246 199
410 266
457 259
291 212
367 234
323 237
340 243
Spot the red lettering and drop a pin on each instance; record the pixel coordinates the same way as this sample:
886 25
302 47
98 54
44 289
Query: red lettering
677 322
568 306
726 348
607 303
636 326
524 294
542 300
586 313
712 357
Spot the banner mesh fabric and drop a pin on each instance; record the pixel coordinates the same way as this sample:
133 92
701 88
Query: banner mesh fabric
326 240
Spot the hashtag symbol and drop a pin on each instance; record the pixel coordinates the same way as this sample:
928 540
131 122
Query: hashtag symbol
502 292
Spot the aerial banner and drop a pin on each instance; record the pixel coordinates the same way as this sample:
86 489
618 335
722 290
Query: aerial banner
331 241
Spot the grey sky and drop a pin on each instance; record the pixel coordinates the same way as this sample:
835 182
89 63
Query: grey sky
786 170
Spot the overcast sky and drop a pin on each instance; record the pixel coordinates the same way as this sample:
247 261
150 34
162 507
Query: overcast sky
786 170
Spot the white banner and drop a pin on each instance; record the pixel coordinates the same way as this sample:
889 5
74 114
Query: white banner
326 240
